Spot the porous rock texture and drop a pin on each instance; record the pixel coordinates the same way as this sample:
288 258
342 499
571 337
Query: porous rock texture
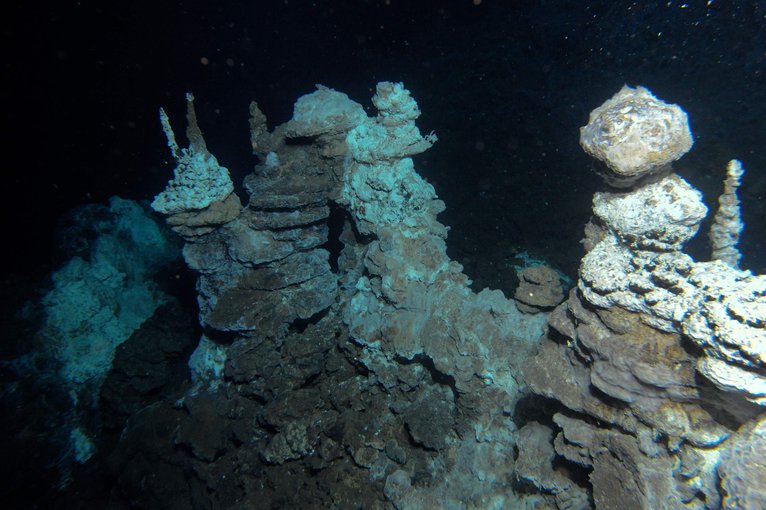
657 361
634 135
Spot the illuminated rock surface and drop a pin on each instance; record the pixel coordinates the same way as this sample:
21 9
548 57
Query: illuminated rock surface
657 360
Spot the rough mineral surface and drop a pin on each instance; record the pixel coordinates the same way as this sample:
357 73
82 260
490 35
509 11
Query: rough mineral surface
326 111
730 324
635 134
638 266
192 223
742 469
539 289
97 301
534 467
659 216
198 182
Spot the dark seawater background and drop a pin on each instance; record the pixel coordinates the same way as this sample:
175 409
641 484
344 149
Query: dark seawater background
504 84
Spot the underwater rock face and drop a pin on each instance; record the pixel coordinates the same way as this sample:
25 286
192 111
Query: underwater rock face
635 134
657 359
660 216
262 267
324 112
347 363
534 468
385 368
539 289
98 300
741 470
638 266
730 325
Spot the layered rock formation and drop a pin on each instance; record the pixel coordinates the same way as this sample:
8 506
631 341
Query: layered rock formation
262 267
658 361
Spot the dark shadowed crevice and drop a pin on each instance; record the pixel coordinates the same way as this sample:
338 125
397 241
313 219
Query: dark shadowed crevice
536 408
299 325
334 245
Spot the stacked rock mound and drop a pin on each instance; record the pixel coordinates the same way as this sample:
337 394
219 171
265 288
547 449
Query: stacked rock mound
261 267
658 362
